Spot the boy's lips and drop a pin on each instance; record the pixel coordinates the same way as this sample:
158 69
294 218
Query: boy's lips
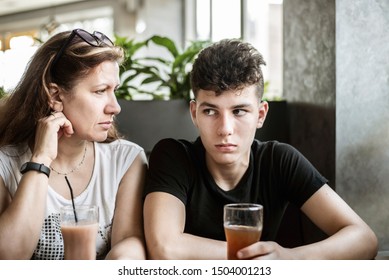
227 147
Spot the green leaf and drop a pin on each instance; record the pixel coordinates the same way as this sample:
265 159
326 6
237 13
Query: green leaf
165 42
171 75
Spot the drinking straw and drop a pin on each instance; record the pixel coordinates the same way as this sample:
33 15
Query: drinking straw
71 195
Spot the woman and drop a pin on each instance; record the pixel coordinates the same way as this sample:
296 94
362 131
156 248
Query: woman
58 130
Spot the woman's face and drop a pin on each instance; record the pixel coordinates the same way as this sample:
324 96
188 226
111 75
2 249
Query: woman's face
92 104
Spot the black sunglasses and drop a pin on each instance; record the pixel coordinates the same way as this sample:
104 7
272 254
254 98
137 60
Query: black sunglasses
97 39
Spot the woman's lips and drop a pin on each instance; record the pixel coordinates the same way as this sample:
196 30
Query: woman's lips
106 125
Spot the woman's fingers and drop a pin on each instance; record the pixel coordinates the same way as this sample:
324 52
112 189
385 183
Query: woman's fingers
49 130
64 125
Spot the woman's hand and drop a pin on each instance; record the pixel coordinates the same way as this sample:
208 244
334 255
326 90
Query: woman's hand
49 130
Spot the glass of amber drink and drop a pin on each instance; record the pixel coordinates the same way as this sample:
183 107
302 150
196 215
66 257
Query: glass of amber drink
79 227
242 226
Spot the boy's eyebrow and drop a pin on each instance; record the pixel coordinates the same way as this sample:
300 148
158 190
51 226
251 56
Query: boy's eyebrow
242 105
207 104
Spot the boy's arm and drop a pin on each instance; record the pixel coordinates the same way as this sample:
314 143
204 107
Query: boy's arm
164 219
349 236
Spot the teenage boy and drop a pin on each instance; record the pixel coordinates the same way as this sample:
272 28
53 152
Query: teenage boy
189 182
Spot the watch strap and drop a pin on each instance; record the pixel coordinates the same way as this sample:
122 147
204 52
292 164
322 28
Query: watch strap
40 167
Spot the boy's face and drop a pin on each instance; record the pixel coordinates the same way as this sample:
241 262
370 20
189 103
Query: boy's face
227 123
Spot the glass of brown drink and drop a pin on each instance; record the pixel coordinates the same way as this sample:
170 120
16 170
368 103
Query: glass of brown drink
242 226
79 227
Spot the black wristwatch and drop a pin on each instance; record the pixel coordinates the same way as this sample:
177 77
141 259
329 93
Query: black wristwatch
40 167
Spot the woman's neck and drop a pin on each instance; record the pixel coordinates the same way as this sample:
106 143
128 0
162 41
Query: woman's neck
71 155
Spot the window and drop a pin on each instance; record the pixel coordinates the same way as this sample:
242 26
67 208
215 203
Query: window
256 21
17 48
215 20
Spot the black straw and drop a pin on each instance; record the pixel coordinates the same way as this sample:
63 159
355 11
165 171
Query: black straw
71 195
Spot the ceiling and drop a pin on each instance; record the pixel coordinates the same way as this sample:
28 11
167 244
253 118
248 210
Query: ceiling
8 7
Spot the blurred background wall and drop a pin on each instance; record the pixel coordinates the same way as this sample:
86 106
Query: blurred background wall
336 81
362 114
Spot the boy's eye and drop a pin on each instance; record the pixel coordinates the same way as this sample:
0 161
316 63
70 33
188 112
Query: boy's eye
209 112
239 112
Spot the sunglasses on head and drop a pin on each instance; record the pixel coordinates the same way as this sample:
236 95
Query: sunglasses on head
96 39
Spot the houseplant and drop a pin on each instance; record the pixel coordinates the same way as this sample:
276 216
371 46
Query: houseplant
2 92
168 72
155 90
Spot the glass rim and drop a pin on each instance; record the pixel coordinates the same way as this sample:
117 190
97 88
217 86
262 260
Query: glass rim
244 206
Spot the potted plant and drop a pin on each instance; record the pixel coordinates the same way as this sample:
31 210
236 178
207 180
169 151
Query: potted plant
168 72
155 90
2 92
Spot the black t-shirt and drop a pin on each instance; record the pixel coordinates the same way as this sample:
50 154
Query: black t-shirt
277 175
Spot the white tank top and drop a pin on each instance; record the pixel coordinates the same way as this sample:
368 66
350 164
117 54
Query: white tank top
111 162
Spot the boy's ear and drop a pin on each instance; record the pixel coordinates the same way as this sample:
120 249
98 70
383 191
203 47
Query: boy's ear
55 101
192 109
263 110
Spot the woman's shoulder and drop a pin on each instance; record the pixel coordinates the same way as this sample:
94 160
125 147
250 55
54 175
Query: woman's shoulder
14 152
119 146
120 153
11 159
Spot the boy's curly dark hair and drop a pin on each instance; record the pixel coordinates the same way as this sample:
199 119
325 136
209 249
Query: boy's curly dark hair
229 64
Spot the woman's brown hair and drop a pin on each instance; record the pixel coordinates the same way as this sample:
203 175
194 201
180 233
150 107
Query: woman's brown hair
29 101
